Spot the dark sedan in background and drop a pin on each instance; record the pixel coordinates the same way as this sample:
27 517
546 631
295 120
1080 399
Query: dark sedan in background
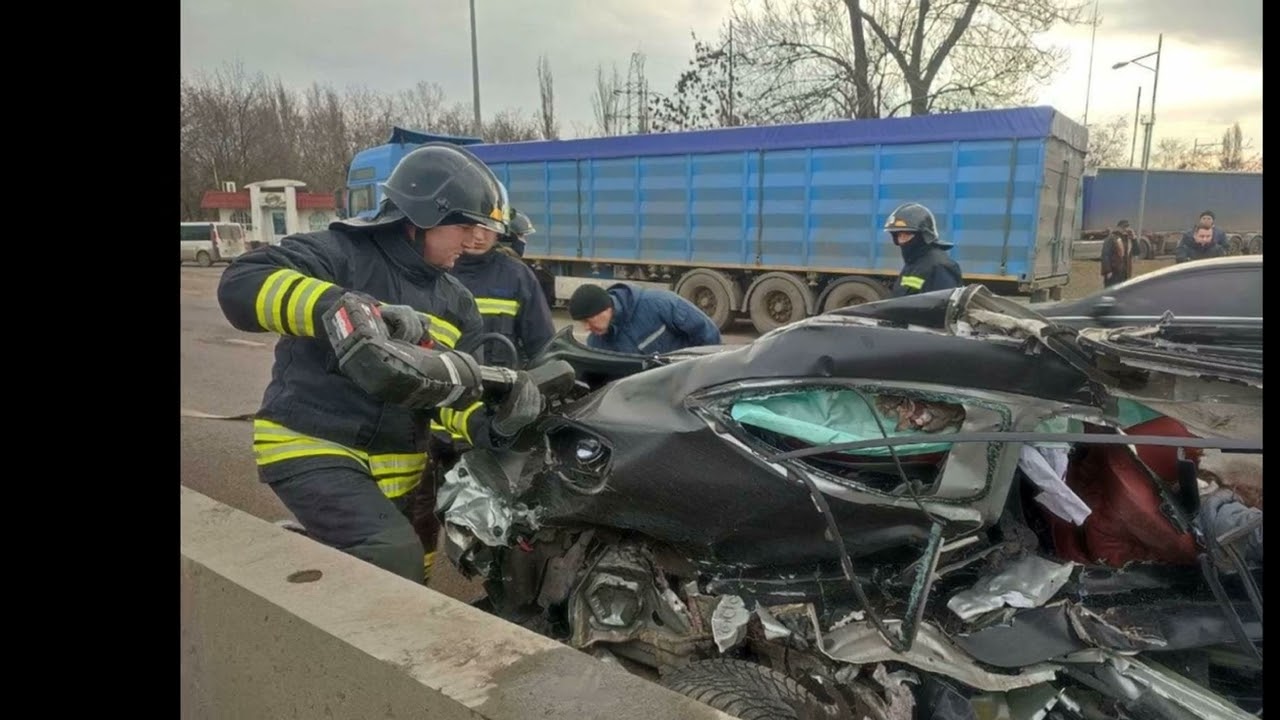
1217 292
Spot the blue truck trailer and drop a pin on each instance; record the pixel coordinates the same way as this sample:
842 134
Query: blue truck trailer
1175 199
781 222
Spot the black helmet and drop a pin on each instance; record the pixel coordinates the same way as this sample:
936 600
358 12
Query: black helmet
441 182
916 218
521 224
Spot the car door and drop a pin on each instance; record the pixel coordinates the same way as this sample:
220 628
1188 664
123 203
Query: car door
1224 296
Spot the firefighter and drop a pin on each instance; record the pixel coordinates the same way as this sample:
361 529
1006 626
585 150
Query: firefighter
510 301
926 264
522 226
342 461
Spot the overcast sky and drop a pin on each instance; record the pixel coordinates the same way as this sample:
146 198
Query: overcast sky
1210 73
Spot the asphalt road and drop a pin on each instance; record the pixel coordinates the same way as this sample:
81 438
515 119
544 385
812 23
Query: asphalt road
224 372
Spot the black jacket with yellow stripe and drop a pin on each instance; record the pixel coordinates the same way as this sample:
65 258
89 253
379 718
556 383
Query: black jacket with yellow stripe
286 289
926 268
510 301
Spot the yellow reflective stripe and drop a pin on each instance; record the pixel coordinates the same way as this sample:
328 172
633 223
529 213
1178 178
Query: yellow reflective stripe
428 561
397 463
443 331
400 485
437 427
497 306
912 282
456 421
292 449
395 473
286 303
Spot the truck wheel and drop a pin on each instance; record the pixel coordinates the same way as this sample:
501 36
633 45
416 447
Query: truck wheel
747 691
853 291
778 299
1235 245
1146 250
203 259
1255 245
712 292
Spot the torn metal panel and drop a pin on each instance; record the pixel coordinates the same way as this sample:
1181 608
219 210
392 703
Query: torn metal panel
1023 638
773 629
861 643
1029 581
1144 676
1161 625
562 572
467 499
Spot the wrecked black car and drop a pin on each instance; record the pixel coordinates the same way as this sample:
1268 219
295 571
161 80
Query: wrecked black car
941 506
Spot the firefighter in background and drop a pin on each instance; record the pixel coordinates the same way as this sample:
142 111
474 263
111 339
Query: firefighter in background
344 462
522 226
509 297
926 264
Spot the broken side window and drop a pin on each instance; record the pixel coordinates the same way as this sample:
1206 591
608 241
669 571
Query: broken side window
823 416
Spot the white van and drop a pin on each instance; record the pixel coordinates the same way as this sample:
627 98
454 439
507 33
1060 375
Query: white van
206 243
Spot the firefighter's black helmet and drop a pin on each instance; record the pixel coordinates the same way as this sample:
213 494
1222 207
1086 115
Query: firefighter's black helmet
915 218
521 224
441 183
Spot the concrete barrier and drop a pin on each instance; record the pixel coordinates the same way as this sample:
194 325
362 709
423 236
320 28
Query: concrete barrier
275 625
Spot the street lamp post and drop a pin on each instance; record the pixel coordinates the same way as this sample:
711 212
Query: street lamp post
1137 112
1151 123
475 71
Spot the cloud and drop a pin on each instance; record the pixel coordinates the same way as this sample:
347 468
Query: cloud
1210 72
392 45
1230 28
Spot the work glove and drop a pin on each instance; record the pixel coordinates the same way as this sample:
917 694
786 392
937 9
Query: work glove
405 323
520 408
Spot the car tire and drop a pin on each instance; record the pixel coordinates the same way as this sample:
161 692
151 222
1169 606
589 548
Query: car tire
203 259
747 690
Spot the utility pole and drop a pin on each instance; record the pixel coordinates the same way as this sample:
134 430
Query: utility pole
475 73
1088 86
732 121
1137 111
1151 123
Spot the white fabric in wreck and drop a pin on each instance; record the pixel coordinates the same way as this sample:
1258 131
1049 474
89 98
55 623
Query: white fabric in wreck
1046 467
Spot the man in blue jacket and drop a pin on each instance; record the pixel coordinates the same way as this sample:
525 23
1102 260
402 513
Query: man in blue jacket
643 321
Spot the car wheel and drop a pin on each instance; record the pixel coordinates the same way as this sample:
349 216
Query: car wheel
747 690
203 259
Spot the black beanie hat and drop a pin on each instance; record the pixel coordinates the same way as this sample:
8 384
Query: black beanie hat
589 300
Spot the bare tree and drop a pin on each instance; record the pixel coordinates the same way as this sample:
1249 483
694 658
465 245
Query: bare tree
326 153
803 60
893 55
1108 143
1231 156
547 100
369 116
511 126
705 95
420 108
604 100
1173 154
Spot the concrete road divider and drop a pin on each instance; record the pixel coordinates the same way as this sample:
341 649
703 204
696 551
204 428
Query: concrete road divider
275 625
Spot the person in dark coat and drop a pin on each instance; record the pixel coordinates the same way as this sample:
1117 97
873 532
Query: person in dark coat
636 320
1117 255
1199 246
